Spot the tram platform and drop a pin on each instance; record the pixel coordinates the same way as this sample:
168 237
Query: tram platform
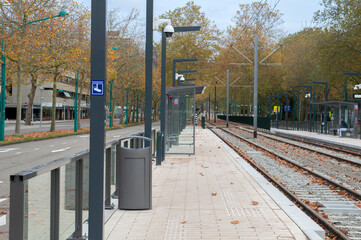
349 142
213 194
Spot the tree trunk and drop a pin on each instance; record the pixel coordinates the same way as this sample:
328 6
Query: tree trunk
53 110
31 96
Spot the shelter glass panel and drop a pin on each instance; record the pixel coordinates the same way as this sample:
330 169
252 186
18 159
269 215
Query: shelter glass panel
180 127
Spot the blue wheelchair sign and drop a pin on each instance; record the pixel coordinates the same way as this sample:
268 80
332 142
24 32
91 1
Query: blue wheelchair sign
97 87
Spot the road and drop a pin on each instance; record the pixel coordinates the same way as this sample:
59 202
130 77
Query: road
19 157
45 126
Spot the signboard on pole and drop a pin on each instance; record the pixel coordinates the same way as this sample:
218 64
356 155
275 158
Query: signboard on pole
97 87
276 108
356 96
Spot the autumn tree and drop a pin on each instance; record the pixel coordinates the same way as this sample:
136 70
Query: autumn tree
237 52
203 45
15 16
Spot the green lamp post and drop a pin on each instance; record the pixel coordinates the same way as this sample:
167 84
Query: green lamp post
111 92
3 72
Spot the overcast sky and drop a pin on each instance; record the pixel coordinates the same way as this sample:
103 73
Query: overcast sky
296 13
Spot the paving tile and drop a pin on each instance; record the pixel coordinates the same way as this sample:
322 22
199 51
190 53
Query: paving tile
184 208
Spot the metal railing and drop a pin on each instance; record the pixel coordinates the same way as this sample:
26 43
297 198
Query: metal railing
51 201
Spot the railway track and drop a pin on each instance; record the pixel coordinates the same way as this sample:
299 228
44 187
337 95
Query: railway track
327 145
327 199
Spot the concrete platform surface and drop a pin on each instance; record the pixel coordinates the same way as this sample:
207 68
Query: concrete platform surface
352 142
208 195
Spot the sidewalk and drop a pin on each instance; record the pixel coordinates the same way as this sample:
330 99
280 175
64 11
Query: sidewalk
206 196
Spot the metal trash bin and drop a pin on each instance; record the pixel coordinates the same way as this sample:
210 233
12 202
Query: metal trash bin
203 122
135 175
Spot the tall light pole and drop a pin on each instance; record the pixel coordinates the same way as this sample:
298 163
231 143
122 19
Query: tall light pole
326 99
3 78
76 102
215 102
227 97
111 92
255 91
41 105
148 71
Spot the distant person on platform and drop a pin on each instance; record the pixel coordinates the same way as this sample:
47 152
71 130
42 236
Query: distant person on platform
343 127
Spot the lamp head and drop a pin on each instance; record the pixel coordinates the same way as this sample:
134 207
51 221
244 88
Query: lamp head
62 13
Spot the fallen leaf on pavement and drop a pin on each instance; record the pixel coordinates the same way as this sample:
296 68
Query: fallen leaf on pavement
235 222
254 203
214 194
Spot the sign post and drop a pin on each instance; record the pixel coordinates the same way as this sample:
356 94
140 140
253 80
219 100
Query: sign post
97 120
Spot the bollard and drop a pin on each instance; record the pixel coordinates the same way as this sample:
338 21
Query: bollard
203 122
159 149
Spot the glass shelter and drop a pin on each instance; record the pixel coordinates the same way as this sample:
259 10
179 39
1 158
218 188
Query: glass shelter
341 118
180 119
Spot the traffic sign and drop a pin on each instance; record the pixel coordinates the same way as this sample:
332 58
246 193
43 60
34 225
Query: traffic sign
97 87
356 96
25 104
276 108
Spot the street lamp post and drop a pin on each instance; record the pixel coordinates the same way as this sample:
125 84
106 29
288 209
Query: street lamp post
137 108
111 115
148 71
41 105
76 103
227 97
3 74
311 93
326 99
126 107
298 106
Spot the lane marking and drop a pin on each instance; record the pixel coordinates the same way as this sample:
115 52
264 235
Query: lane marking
5 150
36 149
52 145
3 199
1 181
61 150
84 136
3 220
18 153
116 136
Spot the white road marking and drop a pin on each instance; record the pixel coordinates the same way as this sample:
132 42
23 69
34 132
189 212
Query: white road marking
4 150
1 181
61 150
116 136
3 199
3 220
52 145
84 136
36 149
18 153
